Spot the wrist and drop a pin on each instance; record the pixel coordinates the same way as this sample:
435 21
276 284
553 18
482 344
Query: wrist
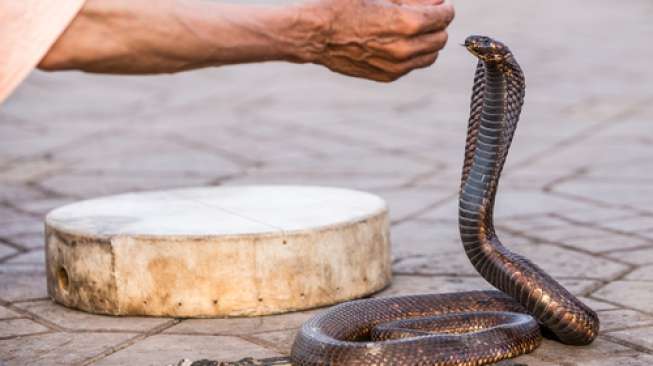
306 32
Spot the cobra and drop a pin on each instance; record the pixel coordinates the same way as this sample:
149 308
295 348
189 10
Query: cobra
467 328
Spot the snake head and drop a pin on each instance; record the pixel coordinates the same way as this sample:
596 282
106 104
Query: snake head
487 49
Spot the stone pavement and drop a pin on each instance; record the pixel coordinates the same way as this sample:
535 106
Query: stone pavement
576 197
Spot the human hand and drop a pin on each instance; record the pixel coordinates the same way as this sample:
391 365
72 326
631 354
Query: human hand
380 40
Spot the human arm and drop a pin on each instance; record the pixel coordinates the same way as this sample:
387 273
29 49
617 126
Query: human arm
375 39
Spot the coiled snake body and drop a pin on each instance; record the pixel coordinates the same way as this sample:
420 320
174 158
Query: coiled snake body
468 328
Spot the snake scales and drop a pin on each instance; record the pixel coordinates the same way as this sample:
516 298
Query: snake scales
467 328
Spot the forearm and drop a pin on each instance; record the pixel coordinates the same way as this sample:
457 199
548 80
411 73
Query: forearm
142 36
374 39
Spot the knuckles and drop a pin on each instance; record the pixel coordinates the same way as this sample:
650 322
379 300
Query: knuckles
395 39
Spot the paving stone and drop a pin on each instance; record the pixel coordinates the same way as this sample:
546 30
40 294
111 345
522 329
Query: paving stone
586 238
419 237
638 257
12 192
530 224
644 273
597 217
20 227
369 182
597 305
631 195
42 206
241 326
74 320
16 286
19 327
8 314
29 241
164 349
449 262
27 262
32 257
634 294
641 336
623 318
10 215
6 250
599 353
280 341
58 348
91 185
632 224
30 170
161 160
605 243
408 202
567 263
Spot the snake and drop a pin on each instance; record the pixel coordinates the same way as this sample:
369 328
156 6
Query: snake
466 328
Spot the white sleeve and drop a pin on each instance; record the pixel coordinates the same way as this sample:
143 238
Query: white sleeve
28 28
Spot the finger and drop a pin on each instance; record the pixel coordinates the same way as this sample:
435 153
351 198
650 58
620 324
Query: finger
346 66
396 70
424 19
404 49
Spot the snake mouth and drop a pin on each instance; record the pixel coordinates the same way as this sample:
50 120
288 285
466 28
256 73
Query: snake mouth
470 48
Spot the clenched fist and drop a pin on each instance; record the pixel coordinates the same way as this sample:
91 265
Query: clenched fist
376 39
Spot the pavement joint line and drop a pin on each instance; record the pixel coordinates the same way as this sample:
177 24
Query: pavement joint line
619 329
585 133
585 200
626 250
340 138
308 150
630 269
442 274
423 210
77 141
10 243
181 140
262 343
415 180
130 342
599 203
544 241
625 343
466 275
576 173
218 334
141 173
408 216
53 194
104 331
608 230
619 305
242 161
9 257
222 180
602 228
18 336
23 301
33 317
